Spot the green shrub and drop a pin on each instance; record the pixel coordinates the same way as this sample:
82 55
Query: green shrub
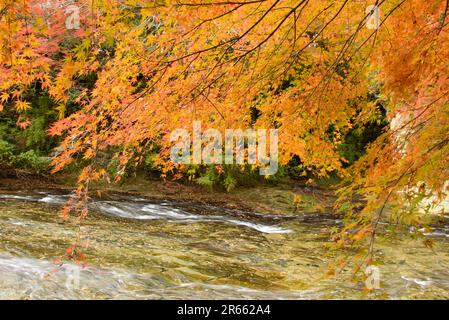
229 182
6 152
230 176
35 134
32 160
208 178
113 166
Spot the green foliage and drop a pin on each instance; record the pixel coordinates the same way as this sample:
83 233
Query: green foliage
357 139
28 148
207 180
150 165
29 160
6 152
32 160
35 135
113 167
229 182
229 177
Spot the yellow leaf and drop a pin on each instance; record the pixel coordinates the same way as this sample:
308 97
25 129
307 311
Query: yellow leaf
61 111
22 105
4 97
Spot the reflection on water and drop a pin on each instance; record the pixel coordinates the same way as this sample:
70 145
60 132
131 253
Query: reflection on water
138 249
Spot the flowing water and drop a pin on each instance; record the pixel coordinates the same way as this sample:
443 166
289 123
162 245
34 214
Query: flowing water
139 249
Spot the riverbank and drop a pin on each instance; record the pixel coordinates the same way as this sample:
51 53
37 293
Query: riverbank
284 198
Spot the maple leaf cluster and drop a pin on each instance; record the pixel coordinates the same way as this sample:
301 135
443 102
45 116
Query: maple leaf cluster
303 66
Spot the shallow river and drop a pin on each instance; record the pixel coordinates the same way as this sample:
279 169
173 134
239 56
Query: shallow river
166 250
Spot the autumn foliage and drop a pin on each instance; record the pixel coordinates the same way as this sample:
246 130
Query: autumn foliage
305 67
